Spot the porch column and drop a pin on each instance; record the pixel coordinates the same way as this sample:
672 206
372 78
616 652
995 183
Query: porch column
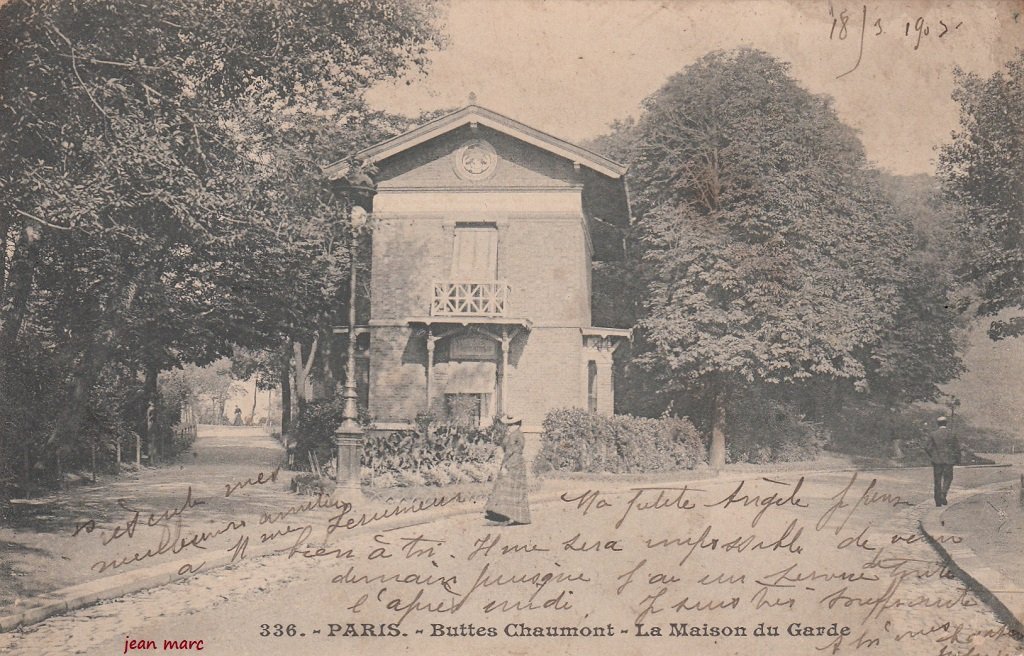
506 341
605 388
431 339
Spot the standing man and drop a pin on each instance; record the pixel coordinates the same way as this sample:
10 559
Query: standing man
943 450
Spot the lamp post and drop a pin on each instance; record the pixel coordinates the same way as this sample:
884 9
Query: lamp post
348 437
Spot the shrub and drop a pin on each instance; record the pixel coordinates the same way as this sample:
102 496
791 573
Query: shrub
990 440
576 440
313 430
308 484
875 430
763 430
430 455
869 429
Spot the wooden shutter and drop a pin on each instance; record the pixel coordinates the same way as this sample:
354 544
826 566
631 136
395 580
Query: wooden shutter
476 253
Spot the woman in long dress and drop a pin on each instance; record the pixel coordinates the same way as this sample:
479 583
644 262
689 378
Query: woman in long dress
508 503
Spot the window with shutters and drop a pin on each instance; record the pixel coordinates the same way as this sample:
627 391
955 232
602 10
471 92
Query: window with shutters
475 256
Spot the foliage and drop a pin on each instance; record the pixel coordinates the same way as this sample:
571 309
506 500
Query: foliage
990 440
417 450
771 257
162 180
429 455
313 430
871 429
206 389
764 430
922 346
767 252
263 365
875 431
982 172
576 440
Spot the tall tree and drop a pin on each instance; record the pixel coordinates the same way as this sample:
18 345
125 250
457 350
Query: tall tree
983 172
770 255
160 195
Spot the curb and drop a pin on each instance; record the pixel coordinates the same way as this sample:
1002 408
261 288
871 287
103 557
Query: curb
978 577
85 594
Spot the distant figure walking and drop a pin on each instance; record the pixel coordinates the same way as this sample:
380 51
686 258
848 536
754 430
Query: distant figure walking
943 450
508 503
238 416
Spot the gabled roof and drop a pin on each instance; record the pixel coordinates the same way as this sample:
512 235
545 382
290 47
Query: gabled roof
474 114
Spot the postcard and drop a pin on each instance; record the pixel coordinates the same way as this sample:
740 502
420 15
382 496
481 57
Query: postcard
512 327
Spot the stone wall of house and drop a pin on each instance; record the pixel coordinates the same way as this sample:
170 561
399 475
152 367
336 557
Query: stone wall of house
543 258
545 374
397 376
543 253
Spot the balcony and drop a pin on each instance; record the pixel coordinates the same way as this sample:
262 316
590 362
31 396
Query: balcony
470 299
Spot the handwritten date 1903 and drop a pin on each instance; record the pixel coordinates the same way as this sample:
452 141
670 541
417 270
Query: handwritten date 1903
858 25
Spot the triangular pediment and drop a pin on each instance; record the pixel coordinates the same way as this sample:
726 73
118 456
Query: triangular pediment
474 115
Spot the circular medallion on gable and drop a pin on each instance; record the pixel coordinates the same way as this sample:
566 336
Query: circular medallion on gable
475 160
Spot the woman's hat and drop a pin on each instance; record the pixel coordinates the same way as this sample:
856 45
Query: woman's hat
508 420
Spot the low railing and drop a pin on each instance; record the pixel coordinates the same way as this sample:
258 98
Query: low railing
470 299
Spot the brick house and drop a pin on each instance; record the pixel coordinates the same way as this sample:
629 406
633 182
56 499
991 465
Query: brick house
480 289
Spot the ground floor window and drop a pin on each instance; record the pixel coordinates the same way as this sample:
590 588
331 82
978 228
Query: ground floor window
592 386
467 409
363 381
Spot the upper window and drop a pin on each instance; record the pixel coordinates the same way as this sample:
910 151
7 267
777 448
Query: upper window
475 257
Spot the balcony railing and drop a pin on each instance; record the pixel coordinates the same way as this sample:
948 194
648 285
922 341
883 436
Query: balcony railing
469 299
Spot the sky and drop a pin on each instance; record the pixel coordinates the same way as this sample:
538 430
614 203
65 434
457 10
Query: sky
570 67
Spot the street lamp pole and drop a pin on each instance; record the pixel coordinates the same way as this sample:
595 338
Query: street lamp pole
348 437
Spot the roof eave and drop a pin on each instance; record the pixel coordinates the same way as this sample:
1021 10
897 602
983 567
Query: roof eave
495 121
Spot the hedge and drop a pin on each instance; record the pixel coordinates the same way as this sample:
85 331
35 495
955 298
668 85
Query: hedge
576 440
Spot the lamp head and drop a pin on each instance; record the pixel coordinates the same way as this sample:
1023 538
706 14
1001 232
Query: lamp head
358 216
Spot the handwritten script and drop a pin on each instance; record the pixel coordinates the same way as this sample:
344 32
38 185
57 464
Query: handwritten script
829 564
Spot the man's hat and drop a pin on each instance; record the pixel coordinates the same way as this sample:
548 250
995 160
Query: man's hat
942 420
510 419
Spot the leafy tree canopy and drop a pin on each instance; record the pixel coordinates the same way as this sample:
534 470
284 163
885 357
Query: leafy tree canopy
767 250
161 196
983 172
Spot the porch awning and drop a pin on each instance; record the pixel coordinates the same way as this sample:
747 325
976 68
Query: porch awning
471 321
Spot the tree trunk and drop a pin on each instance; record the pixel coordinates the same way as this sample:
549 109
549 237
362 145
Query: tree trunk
4 229
150 404
716 454
97 354
255 388
324 382
286 393
73 409
19 285
303 370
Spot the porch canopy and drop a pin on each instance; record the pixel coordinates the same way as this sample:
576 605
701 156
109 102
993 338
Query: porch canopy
500 329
